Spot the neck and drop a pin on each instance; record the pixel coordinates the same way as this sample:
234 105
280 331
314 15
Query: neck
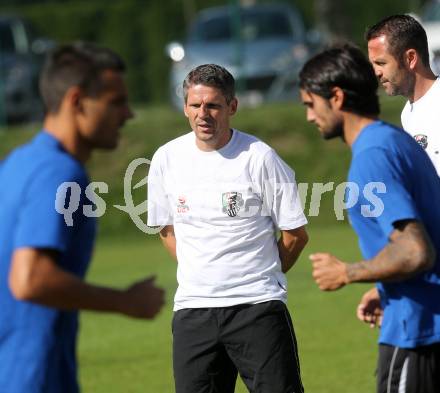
63 128
424 79
354 124
216 144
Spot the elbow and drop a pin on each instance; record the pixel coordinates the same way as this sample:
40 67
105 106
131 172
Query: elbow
426 258
429 259
301 241
20 292
305 239
22 284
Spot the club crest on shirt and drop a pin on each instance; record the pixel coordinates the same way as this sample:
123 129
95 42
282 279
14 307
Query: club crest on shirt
422 140
182 207
232 203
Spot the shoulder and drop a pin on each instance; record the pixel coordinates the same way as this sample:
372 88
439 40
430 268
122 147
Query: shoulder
252 144
381 136
175 146
178 143
37 161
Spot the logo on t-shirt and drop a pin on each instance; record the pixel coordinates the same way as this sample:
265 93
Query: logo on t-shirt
422 140
232 203
182 207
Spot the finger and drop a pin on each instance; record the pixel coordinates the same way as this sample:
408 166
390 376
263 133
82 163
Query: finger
360 312
318 256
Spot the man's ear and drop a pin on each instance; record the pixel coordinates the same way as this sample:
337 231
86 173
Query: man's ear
73 99
337 100
411 58
233 105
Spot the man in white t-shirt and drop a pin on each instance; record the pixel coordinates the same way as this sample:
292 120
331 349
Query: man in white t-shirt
398 50
220 196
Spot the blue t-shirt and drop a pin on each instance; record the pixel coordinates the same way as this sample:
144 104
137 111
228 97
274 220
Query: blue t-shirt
37 343
397 181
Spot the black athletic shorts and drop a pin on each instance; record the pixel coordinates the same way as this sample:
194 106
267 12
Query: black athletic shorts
403 370
212 345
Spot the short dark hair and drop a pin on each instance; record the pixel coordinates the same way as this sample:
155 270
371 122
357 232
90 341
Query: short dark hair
403 32
77 64
346 67
211 75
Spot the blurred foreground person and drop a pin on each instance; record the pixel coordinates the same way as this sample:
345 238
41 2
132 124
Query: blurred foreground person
43 256
220 195
392 186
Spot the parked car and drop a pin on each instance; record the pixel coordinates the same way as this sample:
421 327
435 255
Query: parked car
21 56
430 19
263 46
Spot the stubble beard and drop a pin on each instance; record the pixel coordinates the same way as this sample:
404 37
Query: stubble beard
407 85
336 131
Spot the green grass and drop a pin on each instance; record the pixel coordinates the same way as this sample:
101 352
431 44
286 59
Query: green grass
118 354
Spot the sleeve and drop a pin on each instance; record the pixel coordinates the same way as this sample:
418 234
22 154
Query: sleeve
280 193
40 223
159 210
380 169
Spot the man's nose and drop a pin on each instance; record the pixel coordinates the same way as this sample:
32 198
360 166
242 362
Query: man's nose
310 115
377 71
203 110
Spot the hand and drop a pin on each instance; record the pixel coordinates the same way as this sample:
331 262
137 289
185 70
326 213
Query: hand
328 271
143 299
369 309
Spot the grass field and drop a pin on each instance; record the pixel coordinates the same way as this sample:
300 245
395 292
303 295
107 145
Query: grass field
118 354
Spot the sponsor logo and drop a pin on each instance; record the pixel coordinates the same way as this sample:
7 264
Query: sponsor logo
422 140
182 207
232 203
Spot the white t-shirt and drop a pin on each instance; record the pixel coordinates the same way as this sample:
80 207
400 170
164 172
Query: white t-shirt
421 119
226 206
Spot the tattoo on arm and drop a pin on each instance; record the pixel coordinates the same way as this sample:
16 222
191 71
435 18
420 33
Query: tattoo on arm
408 252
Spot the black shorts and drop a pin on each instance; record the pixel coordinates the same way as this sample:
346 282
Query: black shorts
403 370
212 345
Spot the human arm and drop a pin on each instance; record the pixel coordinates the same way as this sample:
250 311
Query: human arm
290 245
169 239
369 309
36 277
409 251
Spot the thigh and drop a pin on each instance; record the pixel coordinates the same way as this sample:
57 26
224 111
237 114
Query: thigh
408 370
200 362
391 363
261 341
423 373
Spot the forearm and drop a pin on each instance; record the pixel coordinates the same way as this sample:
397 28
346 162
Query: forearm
388 265
68 292
169 240
290 245
37 278
408 253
